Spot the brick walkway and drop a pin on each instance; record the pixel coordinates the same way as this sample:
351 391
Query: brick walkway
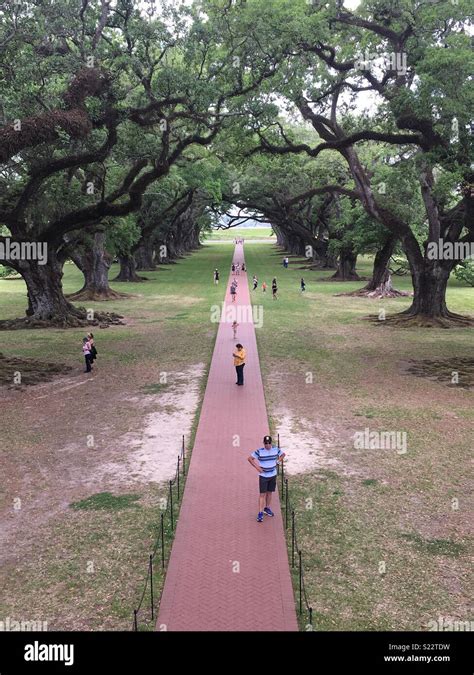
217 530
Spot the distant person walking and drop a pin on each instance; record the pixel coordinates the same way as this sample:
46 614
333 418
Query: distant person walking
233 291
265 460
86 351
233 268
244 269
274 289
239 362
303 285
235 325
237 269
264 287
255 282
216 276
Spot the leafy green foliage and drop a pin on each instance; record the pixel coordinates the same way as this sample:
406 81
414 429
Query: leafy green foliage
465 272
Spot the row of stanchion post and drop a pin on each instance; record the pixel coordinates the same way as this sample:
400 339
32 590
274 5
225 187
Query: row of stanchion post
294 543
160 541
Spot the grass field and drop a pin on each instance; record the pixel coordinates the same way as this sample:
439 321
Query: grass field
384 546
247 233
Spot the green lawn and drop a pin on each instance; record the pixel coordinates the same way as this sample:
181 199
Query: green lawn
247 233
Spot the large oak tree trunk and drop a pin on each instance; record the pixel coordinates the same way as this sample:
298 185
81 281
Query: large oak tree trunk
430 282
380 271
346 267
47 305
380 285
144 255
194 241
430 279
128 269
94 263
46 301
321 257
281 237
161 252
172 248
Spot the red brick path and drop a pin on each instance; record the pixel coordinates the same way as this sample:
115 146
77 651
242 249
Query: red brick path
217 531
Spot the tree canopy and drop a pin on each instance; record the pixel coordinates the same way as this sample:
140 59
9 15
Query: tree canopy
350 131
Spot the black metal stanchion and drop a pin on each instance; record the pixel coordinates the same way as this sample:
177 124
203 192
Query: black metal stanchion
286 504
135 622
162 542
301 582
151 587
171 504
184 458
292 538
177 473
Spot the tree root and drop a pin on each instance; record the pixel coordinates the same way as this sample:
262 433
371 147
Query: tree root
404 320
442 370
77 318
134 279
333 278
377 294
98 296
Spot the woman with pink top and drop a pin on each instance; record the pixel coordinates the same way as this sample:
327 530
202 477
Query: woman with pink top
86 350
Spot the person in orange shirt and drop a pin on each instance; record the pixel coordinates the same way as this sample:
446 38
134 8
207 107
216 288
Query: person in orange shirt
239 362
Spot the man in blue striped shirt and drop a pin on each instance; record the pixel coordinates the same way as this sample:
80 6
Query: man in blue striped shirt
265 460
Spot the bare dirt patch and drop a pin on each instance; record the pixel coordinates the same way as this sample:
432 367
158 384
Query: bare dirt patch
152 455
20 373
450 372
312 445
118 439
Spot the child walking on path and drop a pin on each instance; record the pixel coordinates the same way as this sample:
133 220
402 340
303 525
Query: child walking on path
235 325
